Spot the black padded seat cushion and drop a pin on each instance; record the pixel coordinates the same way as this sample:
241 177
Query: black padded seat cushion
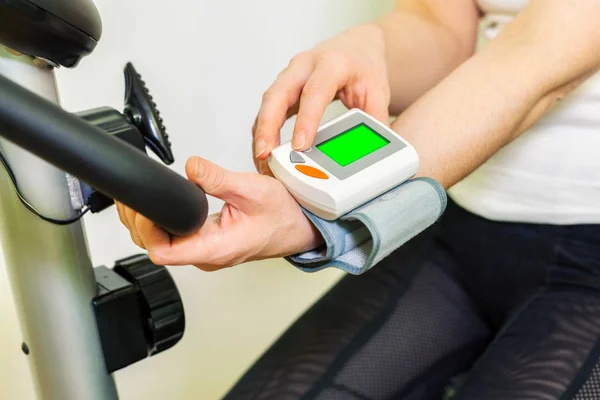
62 31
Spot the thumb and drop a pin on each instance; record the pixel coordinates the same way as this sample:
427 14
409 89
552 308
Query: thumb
216 181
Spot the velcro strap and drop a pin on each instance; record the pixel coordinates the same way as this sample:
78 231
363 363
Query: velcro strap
360 239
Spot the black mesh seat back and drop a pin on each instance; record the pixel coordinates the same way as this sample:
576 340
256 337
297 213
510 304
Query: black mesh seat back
62 31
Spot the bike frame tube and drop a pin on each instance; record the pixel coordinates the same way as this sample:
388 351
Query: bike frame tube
49 266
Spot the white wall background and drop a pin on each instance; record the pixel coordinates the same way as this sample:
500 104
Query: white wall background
207 64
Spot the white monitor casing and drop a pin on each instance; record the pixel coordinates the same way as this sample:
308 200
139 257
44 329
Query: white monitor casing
333 197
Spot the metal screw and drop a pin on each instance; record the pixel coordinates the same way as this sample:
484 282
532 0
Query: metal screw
42 64
13 52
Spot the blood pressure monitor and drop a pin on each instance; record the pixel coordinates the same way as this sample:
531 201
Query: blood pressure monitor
353 160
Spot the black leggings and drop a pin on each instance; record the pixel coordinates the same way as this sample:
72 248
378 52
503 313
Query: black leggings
470 309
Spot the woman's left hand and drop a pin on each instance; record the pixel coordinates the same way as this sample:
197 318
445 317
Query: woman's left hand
259 220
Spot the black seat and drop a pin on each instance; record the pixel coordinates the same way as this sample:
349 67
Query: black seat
62 31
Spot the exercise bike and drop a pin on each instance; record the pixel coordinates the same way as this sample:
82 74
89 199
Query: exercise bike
80 324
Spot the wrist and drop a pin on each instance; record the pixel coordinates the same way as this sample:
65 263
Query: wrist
294 235
430 166
313 238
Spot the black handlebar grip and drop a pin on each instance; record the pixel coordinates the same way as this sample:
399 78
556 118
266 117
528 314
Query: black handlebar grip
104 162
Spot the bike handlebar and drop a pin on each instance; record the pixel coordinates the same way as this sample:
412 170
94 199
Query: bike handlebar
104 162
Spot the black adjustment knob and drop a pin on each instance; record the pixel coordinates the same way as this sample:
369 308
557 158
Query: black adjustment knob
141 111
160 304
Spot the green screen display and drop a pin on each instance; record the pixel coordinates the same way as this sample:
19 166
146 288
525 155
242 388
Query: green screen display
352 145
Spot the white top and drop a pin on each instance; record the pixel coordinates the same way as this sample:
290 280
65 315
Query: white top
550 174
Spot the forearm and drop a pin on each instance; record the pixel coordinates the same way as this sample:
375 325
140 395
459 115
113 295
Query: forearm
422 49
497 94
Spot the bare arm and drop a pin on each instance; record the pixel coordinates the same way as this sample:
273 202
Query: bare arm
425 40
546 52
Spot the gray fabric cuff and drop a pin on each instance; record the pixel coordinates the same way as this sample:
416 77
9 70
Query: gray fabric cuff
360 239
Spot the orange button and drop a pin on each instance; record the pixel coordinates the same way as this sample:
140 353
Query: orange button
312 171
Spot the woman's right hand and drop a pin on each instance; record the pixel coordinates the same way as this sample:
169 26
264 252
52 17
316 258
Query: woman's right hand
350 67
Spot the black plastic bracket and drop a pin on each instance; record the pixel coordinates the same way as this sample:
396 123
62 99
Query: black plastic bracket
115 124
119 320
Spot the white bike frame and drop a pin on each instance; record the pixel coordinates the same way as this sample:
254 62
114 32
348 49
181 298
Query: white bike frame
49 266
